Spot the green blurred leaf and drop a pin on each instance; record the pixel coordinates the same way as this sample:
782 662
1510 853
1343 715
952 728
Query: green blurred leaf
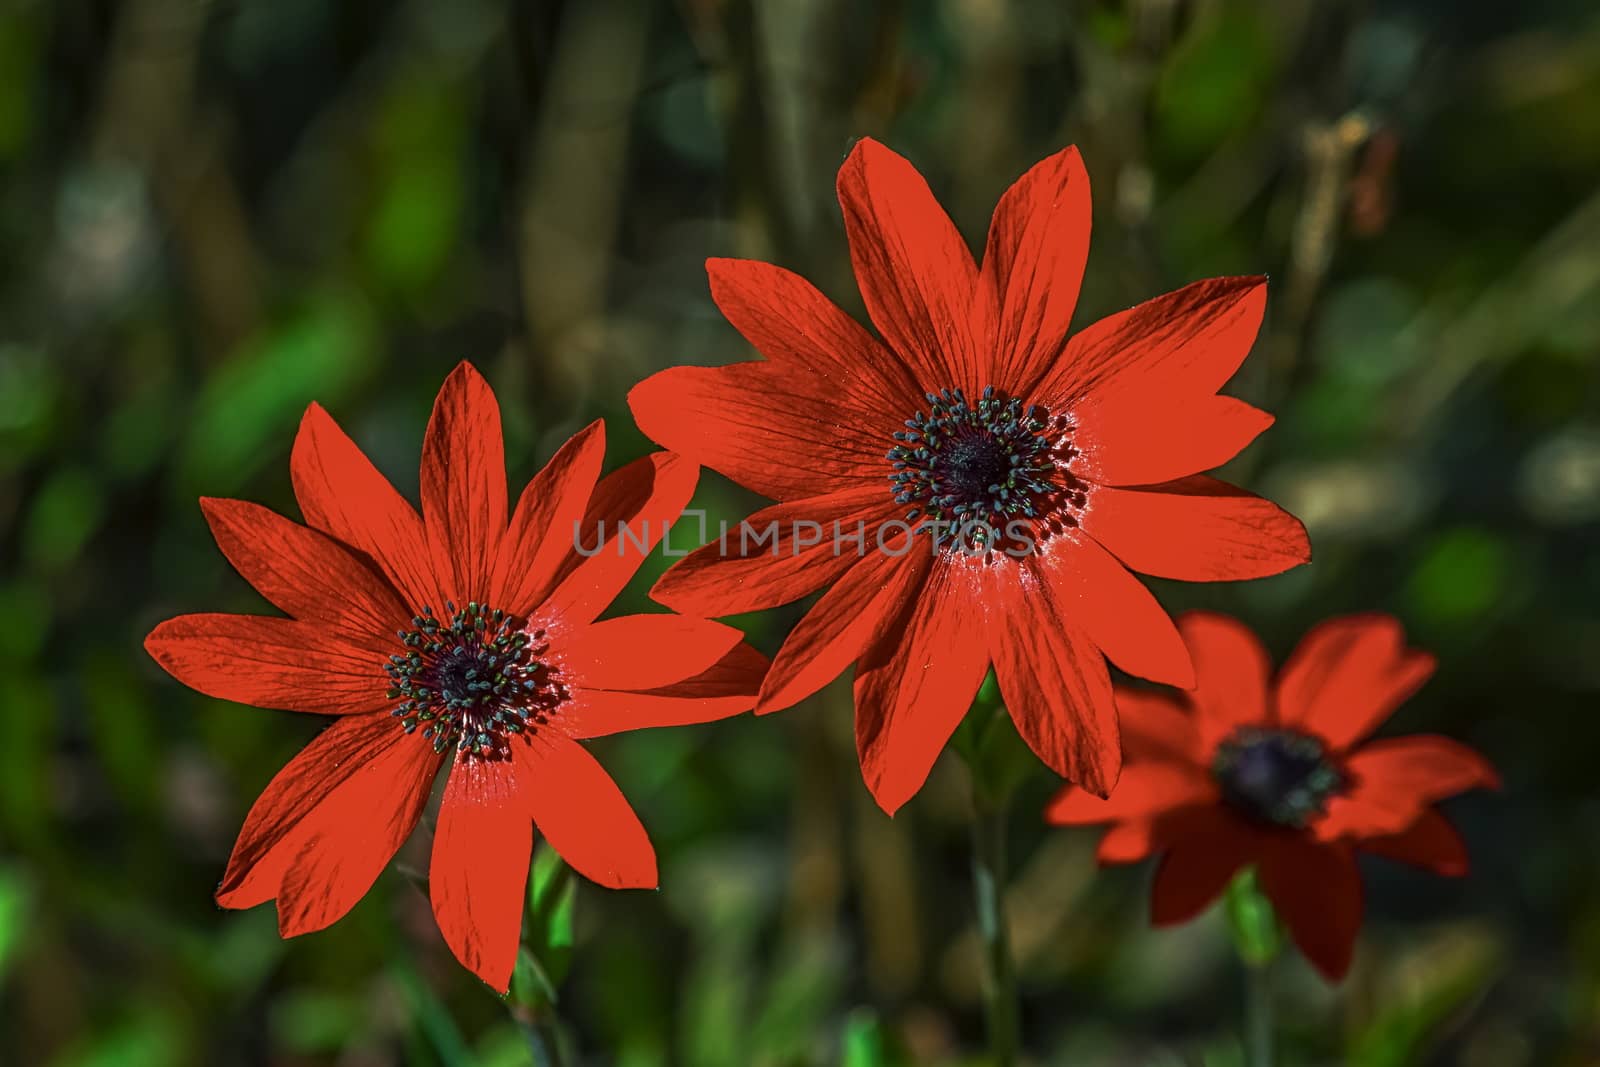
16 906
1461 577
65 514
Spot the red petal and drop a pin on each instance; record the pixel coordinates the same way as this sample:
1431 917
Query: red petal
1199 865
1232 669
303 572
1054 681
1196 530
777 555
1143 790
1038 246
916 681
479 870
1431 843
542 527
1316 890
1190 341
256 867
328 824
1139 436
727 688
914 269
627 517
774 431
1348 675
464 484
842 624
643 651
342 494
1114 608
583 815
798 328
270 663
1154 726
1128 842
1394 781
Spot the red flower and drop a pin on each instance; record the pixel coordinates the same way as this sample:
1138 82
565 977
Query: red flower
465 636
1247 769
1080 454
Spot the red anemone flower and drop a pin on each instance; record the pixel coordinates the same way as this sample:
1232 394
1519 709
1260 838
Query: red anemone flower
1276 773
464 636
1039 468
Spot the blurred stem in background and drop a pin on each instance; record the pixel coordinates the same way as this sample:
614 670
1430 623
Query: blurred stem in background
543 960
1257 938
999 762
989 884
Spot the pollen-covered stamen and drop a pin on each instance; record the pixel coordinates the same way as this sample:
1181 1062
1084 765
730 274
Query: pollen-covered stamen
1279 777
985 463
473 683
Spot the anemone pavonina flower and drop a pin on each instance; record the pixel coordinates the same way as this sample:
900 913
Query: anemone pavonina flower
1250 770
1080 454
464 636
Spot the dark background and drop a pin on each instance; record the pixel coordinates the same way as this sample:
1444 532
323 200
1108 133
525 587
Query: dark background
213 213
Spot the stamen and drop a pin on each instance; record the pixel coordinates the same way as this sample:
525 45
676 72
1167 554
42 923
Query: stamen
968 469
475 683
1278 777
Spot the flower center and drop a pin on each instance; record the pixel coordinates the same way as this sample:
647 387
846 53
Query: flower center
1278 777
969 470
473 683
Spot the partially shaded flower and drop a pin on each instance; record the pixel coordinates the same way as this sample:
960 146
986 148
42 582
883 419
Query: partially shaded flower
1040 467
1248 770
467 637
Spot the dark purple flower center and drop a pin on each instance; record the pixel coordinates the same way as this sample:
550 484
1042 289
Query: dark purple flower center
983 465
1277 777
473 683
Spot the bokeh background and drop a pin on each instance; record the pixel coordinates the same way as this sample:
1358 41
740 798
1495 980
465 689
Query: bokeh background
212 214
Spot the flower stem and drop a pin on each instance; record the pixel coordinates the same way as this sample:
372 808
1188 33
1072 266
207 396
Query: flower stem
543 1042
1258 1014
989 883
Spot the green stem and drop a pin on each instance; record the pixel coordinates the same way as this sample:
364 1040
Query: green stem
543 1042
989 883
1258 1014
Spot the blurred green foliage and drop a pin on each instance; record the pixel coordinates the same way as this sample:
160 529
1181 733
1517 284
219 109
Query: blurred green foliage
215 214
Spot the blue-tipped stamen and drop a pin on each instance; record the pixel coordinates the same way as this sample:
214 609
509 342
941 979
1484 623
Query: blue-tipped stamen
474 683
1278 777
984 465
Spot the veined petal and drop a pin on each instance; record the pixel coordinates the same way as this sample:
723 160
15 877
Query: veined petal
304 572
1190 341
1197 530
799 329
271 663
478 873
342 494
1348 675
540 537
778 555
916 680
643 651
464 484
775 432
1142 436
726 688
583 815
1054 681
1114 608
627 517
915 271
849 618
1032 268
